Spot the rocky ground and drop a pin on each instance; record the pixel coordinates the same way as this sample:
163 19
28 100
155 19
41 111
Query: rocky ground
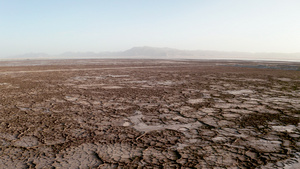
148 114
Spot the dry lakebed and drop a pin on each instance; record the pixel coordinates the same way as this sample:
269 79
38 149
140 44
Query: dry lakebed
94 113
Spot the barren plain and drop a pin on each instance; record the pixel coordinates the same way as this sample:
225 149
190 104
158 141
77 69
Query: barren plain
149 114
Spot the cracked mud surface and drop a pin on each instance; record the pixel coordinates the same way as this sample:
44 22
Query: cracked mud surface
149 114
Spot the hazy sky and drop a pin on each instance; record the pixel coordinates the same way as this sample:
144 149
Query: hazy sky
57 26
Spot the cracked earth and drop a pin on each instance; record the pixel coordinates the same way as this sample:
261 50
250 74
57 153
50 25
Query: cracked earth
148 114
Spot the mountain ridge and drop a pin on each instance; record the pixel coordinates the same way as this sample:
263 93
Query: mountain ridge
147 52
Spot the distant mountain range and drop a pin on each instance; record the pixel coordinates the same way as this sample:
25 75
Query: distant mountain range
164 53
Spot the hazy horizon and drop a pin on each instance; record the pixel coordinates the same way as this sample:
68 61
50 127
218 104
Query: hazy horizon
146 52
55 27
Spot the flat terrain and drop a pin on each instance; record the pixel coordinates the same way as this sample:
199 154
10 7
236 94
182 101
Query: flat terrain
149 114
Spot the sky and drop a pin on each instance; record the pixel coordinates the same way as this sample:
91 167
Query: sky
58 26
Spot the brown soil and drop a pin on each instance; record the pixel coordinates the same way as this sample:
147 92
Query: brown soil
147 114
